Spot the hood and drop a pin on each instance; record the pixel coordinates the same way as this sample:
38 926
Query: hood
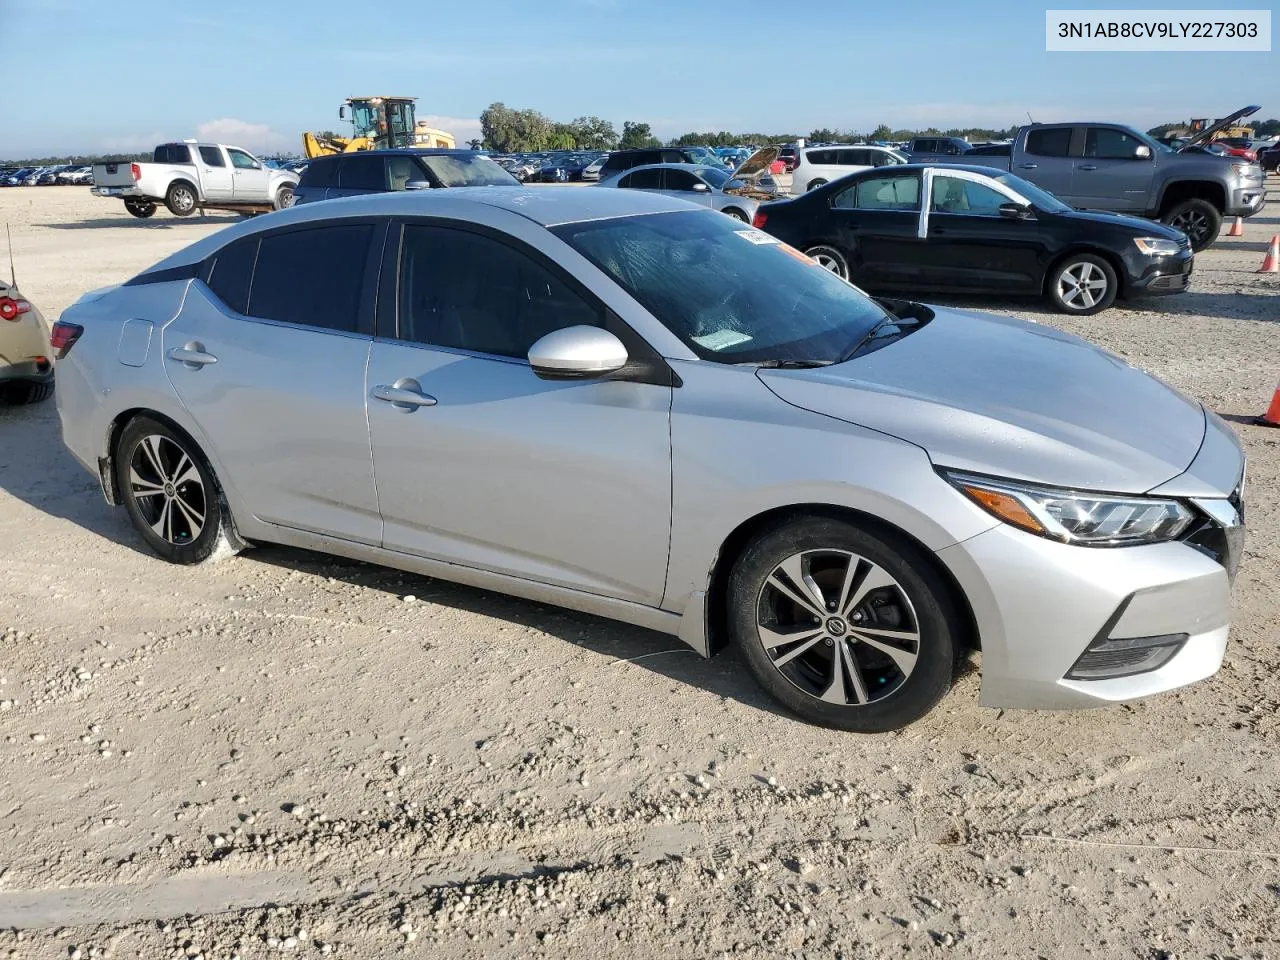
1205 135
757 164
1012 399
1139 225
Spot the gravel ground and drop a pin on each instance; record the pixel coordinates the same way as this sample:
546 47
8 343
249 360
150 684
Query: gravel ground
287 753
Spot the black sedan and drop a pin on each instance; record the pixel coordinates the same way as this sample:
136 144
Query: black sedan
982 231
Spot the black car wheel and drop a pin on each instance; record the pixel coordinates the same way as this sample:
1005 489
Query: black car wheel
1083 284
829 258
139 207
844 627
1200 220
22 392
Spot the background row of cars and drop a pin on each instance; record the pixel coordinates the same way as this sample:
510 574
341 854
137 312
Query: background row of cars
64 174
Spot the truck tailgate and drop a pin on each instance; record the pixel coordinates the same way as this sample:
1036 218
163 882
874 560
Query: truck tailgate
118 174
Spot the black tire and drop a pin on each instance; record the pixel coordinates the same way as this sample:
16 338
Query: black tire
1200 220
140 207
815 184
736 214
22 392
181 199
284 197
1072 285
149 455
830 258
916 601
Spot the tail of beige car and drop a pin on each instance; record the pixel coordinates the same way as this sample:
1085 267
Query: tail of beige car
26 359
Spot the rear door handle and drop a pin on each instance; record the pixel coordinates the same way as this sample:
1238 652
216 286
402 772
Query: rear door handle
1028 166
405 394
1087 166
192 355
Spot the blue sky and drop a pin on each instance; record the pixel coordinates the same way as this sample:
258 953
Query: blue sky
116 76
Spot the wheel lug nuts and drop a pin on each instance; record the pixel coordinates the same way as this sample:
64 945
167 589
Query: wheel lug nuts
828 641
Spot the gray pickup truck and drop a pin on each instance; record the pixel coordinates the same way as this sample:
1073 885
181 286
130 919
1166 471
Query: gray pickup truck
1108 166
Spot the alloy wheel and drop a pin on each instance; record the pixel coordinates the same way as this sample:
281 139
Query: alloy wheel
828 262
165 484
838 627
1082 285
1194 224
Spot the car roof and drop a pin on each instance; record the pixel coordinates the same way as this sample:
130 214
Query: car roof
401 152
545 206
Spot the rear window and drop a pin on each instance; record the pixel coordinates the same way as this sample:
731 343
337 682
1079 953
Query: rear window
172 153
1054 142
320 173
311 277
362 173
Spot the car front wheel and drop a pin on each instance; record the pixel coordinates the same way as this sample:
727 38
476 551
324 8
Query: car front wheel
1083 284
844 626
284 197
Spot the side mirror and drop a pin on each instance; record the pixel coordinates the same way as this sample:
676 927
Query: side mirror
1015 211
1142 152
342 112
700 188
577 353
418 185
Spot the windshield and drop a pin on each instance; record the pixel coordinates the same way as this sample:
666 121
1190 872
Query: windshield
733 294
1042 199
716 176
473 171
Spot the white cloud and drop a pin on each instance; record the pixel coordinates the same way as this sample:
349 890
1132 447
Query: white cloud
254 137
462 128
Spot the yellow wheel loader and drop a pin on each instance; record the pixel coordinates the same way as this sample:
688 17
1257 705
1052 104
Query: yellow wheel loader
379 123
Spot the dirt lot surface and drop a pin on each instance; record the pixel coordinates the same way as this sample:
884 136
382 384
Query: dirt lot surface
282 752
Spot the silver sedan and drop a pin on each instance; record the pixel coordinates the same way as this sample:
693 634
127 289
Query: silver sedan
623 404
697 183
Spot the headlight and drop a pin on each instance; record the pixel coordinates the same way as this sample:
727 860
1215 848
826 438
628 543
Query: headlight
1156 246
1084 519
1252 171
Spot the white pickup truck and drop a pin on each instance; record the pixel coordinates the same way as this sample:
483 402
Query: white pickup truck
190 176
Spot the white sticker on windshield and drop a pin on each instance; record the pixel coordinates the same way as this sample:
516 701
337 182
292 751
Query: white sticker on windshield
757 237
721 339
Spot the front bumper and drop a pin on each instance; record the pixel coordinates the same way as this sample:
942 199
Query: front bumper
1247 199
1041 605
1156 276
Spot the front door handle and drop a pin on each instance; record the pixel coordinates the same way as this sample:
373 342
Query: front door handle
405 394
192 355
1028 166
1087 166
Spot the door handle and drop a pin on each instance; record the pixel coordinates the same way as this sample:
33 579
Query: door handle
192 355
405 394
1028 166
1087 166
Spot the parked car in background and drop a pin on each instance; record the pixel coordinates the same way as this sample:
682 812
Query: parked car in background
1269 158
698 183
816 166
591 172
930 149
76 175
1108 166
669 387
620 160
386 171
566 168
1240 147
981 231
189 175
26 358
788 155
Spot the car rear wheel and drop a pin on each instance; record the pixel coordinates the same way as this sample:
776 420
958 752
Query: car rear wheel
829 258
815 184
171 495
1200 220
845 627
736 214
181 199
1083 284
139 207
25 391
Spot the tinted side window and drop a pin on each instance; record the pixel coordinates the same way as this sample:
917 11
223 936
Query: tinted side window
646 180
403 169
232 271
472 292
172 153
669 156
362 173
925 146
320 173
1107 143
818 156
887 193
212 156
311 277
1054 142
678 180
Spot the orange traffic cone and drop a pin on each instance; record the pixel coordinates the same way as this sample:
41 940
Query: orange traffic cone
1237 228
1272 417
1271 262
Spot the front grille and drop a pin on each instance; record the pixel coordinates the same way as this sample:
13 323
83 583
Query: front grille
1177 282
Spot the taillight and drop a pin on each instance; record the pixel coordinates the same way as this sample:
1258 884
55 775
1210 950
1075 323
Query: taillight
759 219
11 309
63 337
135 171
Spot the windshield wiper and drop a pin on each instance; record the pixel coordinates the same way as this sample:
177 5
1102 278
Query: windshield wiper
874 333
776 364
